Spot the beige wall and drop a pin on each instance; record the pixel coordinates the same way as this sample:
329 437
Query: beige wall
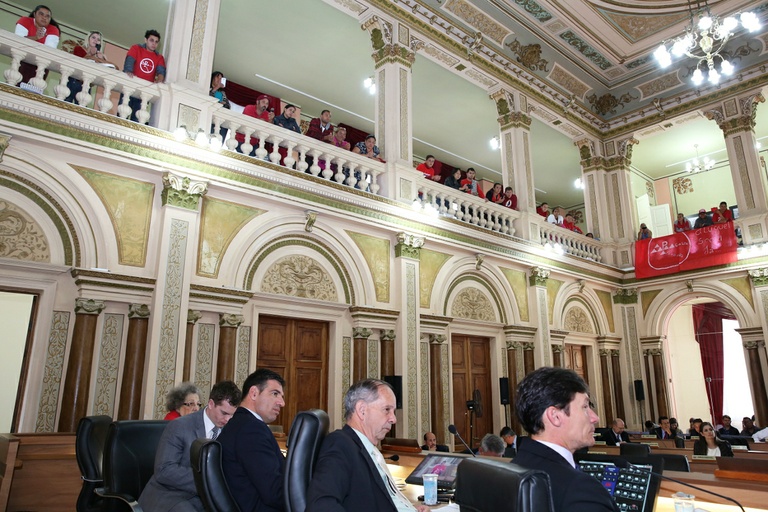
14 317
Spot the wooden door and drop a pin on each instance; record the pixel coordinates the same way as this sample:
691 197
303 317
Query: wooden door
575 358
471 367
297 350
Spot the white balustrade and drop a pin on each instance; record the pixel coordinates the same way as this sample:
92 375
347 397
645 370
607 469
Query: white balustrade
564 241
439 200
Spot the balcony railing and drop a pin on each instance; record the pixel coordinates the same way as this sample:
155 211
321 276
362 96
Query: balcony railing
568 242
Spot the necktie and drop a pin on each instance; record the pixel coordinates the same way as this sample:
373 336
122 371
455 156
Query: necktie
394 492
215 432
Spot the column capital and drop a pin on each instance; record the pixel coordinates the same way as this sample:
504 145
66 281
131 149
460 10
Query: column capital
229 320
89 306
193 316
182 191
512 345
759 276
385 49
736 115
387 335
5 141
539 276
408 245
557 349
138 311
604 352
528 345
625 296
361 332
437 339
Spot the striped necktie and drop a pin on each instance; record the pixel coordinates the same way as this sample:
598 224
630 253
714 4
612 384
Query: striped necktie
215 432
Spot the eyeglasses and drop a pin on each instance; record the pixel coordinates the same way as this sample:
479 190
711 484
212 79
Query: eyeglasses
192 404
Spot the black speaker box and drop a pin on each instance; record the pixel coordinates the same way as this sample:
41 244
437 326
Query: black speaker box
396 381
639 391
504 390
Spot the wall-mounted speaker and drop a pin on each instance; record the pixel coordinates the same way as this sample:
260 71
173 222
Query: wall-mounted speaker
396 381
639 391
504 390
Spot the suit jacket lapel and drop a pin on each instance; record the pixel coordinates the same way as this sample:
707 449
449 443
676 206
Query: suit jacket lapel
375 475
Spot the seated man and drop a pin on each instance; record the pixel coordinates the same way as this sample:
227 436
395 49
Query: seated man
702 220
722 215
259 111
491 446
616 435
543 210
320 128
172 486
351 474
472 185
727 429
510 439
286 119
664 430
428 170
750 428
250 457
431 445
553 406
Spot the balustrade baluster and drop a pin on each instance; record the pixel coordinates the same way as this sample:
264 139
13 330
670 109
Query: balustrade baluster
84 96
61 90
38 81
246 147
302 165
339 176
327 172
12 75
351 180
362 182
261 153
314 169
289 161
105 102
143 114
231 142
124 110
275 155
375 181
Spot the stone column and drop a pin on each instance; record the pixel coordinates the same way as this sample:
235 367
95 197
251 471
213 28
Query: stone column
540 310
192 318
393 58
605 380
360 337
632 352
660 381
736 117
77 382
227 356
177 240
618 392
407 254
437 384
515 139
387 340
516 336
135 357
753 340
528 359
656 375
557 339
649 385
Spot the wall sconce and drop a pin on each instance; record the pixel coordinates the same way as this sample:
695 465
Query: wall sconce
370 84
495 143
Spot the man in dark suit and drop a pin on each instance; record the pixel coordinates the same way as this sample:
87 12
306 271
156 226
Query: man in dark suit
252 462
510 439
553 407
616 435
172 486
351 474
664 430
430 444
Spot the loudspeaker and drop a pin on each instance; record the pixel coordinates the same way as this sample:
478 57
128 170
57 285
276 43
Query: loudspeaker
639 391
396 381
504 390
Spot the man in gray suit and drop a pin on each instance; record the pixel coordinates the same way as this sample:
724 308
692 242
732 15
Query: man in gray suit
172 487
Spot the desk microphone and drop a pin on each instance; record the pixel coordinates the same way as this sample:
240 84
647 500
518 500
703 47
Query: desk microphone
624 464
452 430
393 458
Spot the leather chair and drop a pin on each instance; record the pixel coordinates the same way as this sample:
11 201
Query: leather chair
672 462
89 451
304 439
634 449
484 485
205 456
129 462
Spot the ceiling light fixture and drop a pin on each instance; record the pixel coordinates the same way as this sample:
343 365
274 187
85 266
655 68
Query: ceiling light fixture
704 41
697 165
578 183
495 143
370 84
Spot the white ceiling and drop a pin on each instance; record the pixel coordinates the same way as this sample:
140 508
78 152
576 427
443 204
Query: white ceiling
312 54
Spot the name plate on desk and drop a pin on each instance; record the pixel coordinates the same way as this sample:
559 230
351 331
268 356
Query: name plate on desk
598 453
656 445
648 436
599 443
704 457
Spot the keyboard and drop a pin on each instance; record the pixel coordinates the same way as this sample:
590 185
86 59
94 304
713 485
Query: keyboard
629 487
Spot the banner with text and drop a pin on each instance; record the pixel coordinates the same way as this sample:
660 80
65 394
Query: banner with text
698 248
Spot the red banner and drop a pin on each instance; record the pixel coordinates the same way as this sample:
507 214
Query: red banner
698 248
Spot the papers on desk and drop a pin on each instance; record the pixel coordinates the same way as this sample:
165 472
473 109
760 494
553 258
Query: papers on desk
450 507
400 483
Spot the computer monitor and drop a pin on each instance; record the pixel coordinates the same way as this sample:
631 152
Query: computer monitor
443 465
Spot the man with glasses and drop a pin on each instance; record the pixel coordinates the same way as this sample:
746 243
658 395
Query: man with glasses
172 486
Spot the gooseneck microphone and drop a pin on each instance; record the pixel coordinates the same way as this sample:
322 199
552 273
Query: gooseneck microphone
452 430
624 464
393 458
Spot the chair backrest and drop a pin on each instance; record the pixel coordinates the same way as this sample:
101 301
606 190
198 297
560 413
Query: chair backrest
205 456
484 485
304 439
679 442
673 462
90 441
634 449
129 455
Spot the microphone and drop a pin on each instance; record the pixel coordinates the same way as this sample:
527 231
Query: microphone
625 464
393 458
452 430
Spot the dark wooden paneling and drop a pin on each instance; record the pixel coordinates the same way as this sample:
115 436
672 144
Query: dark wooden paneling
471 366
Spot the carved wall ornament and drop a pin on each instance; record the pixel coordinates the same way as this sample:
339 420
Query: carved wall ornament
299 276
229 320
21 237
182 191
138 311
625 296
577 320
89 306
650 190
581 283
437 339
759 276
689 285
409 245
539 276
477 19
585 49
607 103
682 185
528 55
473 44
311 218
5 141
472 304
568 81
193 316
387 335
361 332
479 258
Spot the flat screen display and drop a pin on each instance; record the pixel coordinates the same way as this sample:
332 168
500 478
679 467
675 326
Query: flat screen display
443 465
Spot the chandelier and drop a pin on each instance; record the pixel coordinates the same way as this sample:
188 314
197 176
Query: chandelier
697 165
705 40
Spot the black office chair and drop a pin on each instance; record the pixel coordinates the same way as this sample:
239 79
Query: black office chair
679 442
484 485
129 462
205 456
634 449
672 462
304 439
89 452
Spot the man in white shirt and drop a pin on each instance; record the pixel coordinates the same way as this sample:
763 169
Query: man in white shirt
556 217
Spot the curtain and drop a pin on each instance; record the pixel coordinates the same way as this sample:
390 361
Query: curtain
708 327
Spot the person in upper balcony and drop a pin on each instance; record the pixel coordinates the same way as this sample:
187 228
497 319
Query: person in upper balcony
681 224
496 194
543 210
722 215
145 62
471 185
510 199
368 148
90 49
570 224
454 180
339 138
320 128
644 232
702 220
41 27
286 119
259 110
556 217
217 89
427 168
